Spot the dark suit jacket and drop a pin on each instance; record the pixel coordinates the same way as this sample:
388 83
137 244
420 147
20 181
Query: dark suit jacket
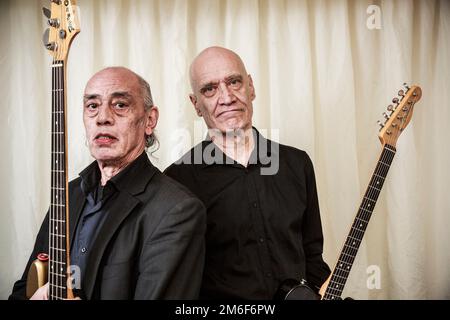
150 247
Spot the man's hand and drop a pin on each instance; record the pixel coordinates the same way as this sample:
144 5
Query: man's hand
41 293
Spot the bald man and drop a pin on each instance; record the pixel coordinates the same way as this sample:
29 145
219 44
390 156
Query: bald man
263 221
135 234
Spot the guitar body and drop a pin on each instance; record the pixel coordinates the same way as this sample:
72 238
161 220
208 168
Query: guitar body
292 289
37 276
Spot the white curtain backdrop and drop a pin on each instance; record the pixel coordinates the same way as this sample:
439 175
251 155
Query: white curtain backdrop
322 80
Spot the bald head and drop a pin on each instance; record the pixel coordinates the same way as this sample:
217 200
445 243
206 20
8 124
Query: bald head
211 60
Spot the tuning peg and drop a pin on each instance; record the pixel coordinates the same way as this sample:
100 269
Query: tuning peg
390 108
51 46
381 124
395 100
47 13
53 23
406 86
385 115
401 93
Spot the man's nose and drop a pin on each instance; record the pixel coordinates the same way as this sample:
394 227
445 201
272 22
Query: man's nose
226 95
104 115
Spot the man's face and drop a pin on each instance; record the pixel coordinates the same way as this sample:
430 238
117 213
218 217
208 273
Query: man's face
114 116
223 91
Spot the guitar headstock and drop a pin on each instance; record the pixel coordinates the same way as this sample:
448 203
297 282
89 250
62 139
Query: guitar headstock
64 26
400 114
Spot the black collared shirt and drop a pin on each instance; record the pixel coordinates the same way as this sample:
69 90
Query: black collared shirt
263 221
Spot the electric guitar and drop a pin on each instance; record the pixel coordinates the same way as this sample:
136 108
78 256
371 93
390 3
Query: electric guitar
54 267
400 113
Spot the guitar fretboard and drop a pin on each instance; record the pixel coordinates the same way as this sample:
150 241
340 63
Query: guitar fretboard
356 234
57 276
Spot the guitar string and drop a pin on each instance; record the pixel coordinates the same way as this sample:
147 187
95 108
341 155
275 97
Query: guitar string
60 176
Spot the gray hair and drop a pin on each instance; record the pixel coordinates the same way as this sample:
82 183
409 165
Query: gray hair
150 140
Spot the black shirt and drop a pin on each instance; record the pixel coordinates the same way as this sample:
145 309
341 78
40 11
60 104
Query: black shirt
92 217
263 221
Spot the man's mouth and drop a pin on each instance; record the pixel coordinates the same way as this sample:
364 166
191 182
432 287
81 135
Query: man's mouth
104 138
229 111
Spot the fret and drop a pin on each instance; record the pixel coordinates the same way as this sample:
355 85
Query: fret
352 246
56 286
388 148
386 164
58 205
363 209
355 232
331 296
350 251
63 275
57 249
57 65
57 111
341 264
54 90
373 187
359 226
58 235
341 277
348 255
57 188
57 152
378 176
58 262
371 200
58 133
335 285
359 218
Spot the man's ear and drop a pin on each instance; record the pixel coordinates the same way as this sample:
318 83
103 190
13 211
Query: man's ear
193 99
252 88
152 120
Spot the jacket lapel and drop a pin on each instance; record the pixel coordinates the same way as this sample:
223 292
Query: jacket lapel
76 204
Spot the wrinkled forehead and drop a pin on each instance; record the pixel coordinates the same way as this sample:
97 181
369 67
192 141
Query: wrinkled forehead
106 82
215 67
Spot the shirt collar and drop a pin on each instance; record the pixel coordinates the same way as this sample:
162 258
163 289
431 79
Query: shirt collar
261 152
130 178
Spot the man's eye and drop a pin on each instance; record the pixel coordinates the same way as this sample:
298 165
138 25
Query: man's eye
235 83
208 89
120 105
91 106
